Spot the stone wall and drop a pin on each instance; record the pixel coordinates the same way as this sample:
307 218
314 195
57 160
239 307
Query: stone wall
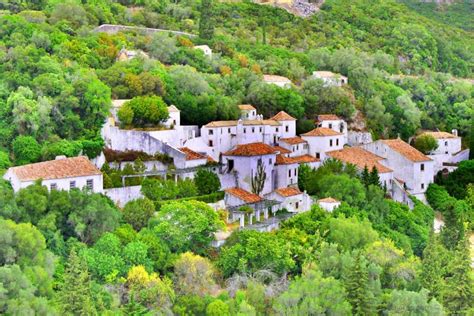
122 195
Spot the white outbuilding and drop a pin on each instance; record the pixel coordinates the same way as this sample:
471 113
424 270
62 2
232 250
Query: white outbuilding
329 204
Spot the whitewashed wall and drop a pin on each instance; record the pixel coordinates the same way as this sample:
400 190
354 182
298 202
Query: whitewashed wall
125 194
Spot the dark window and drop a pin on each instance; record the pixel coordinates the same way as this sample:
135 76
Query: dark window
422 186
337 141
277 129
270 161
289 173
174 122
297 205
228 130
287 128
90 184
231 164
253 129
211 132
72 184
294 172
446 143
318 155
330 125
53 186
245 130
330 143
211 143
260 129
422 167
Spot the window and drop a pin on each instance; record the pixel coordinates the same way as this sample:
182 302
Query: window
245 130
270 161
294 172
53 186
297 147
422 186
330 125
260 129
253 129
287 128
231 165
297 205
330 143
211 132
228 130
318 155
211 143
174 122
72 184
276 129
289 173
90 184
422 167
446 143
337 141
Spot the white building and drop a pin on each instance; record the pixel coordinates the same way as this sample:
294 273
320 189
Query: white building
296 145
247 112
333 122
322 140
280 81
329 204
125 54
412 167
205 49
60 174
330 79
291 199
448 152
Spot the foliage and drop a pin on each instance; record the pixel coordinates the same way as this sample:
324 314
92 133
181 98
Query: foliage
138 212
207 182
426 143
26 150
143 111
194 275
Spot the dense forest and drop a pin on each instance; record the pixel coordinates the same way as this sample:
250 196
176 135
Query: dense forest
75 252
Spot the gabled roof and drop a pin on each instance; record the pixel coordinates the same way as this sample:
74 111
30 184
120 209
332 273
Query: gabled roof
246 196
244 122
305 159
328 200
293 140
359 157
172 108
282 150
282 160
328 117
322 131
406 150
252 149
56 169
246 107
275 78
282 116
286 192
191 154
440 135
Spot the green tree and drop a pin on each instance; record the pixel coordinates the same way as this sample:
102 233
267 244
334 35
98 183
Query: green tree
26 150
458 295
374 177
143 111
186 225
206 20
433 267
365 177
312 294
138 212
217 308
425 143
207 182
75 290
351 233
358 292
194 275
403 302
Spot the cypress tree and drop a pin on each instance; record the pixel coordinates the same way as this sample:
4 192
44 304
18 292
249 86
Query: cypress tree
357 286
206 22
458 295
433 267
75 291
365 177
374 177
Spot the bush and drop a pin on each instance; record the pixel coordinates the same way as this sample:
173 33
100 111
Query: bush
143 111
26 150
207 182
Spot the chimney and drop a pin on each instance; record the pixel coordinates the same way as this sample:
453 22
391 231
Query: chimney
454 132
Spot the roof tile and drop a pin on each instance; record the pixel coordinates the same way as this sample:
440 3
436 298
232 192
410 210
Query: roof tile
252 149
293 140
406 150
290 191
283 116
321 131
246 196
359 157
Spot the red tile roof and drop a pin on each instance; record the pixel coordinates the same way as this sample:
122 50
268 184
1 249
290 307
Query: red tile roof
328 117
293 140
246 196
56 169
328 200
282 160
253 149
359 157
282 150
246 107
191 154
406 150
290 191
282 116
440 135
305 159
322 131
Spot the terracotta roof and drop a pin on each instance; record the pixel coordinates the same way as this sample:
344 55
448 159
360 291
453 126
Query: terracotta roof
275 78
172 108
328 117
252 149
246 107
359 157
246 196
406 150
191 154
440 135
56 169
321 131
246 122
293 140
282 160
290 191
282 150
305 159
283 116
328 200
